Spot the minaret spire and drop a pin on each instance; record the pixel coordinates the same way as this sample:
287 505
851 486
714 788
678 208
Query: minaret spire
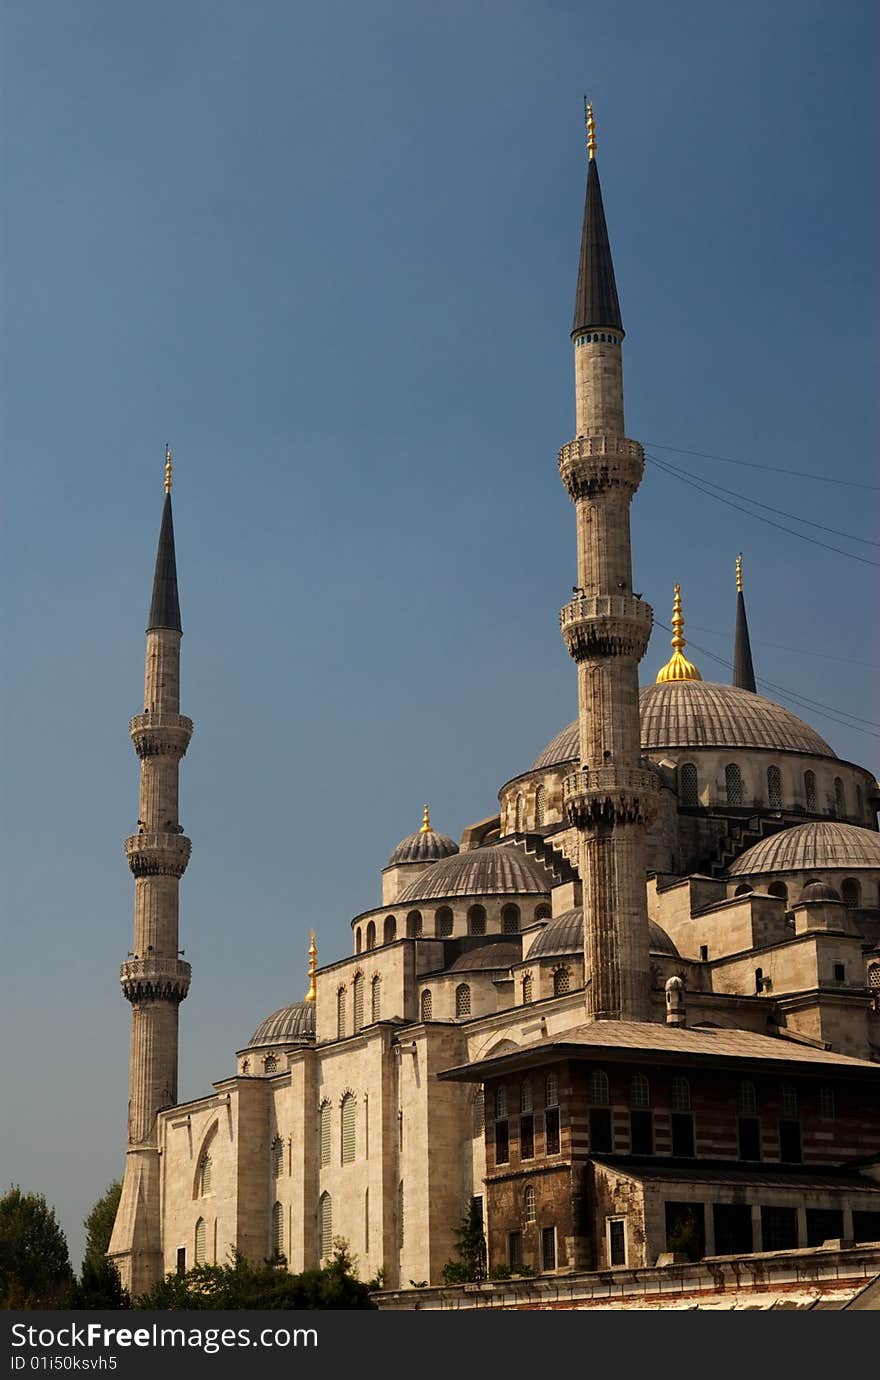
595 304
743 670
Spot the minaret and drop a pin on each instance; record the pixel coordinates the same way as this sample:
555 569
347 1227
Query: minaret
611 798
743 670
154 978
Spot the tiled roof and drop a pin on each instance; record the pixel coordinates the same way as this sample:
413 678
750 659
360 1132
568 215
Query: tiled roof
735 1176
820 844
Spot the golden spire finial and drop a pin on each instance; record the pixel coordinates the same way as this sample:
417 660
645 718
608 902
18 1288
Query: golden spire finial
167 468
591 130
678 667
739 573
426 822
313 963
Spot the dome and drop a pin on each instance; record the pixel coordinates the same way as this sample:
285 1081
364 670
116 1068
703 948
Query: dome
819 893
697 714
822 844
498 870
565 935
425 846
294 1024
486 957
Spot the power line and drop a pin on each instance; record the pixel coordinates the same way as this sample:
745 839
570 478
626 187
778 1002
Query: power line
773 469
797 651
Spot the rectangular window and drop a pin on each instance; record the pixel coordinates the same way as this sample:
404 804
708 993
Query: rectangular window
514 1250
824 1224
790 1141
181 1260
551 1131
749 1128
502 1143
527 1138
551 1090
779 1228
683 1135
477 1201
600 1131
616 1230
686 1229
548 1248
839 972
704 952
733 1228
641 1133
866 1226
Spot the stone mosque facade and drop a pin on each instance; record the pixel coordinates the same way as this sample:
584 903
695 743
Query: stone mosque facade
635 1015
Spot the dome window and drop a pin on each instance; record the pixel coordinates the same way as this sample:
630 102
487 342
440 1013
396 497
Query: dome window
688 785
443 922
476 920
540 807
371 935
528 995
733 784
510 920
774 787
519 815
839 797
779 890
462 1000
810 789
851 893
389 930
561 982
414 924
427 1005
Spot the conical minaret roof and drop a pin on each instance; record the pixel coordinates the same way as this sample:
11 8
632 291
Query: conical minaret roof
743 670
596 303
165 605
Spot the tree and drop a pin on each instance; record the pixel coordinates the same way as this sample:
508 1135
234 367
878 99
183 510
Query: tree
34 1262
239 1284
99 1286
471 1248
99 1223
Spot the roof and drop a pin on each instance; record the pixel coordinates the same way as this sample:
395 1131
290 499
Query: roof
595 302
425 846
498 870
165 605
564 934
294 1024
734 1176
820 844
487 956
657 1043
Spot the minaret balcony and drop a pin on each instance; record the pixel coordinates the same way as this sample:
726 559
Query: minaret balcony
158 855
155 978
606 625
593 465
159 734
594 796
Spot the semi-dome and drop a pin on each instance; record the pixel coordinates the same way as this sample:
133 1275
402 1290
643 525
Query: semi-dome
425 846
294 1024
564 935
822 845
486 957
697 714
499 870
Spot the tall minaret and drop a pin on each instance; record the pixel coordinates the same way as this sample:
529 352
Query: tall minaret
606 627
743 669
154 978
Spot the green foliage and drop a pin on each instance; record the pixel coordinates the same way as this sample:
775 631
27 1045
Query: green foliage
471 1248
501 1272
99 1223
34 1263
99 1286
238 1284
684 1238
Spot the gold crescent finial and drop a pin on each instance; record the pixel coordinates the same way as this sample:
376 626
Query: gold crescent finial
678 667
426 822
313 963
739 573
167 469
591 131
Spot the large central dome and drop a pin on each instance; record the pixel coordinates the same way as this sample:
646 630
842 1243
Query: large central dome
696 714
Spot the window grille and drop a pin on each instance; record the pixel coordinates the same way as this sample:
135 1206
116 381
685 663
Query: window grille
789 1102
733 784
529 1206
527 1138
839 796
348 1124
358 992
277 1157
774 787
681 1095
201 1236
277 1230
525 1096
639 1091
527 989
206 1174
616 1241
389 930
543 911
599 1088
371 935
779 890
551 1090
519 818
324 1128
479 1113
401 1214
462 1000
851 893
540 807
376 998
325 1224
551 1131
510 920
476 920
270 1064
414 924
500 1103
444 922
688 785
810 789
366 1219
340 1013
561 982
427 1005
747 1100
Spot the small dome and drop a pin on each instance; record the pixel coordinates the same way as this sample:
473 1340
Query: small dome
564 935
487 956
289 1025
818 893
425 846
821 844
499 870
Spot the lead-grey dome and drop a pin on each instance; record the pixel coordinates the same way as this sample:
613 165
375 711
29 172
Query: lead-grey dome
564 935
289 1025
486 957
819 893
823 845
425 846
498 870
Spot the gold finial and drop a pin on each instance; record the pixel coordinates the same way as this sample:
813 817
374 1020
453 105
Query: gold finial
678 667
426 822
591 130
313 963
167 469
739 573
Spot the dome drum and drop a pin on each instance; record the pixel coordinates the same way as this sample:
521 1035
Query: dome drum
606 625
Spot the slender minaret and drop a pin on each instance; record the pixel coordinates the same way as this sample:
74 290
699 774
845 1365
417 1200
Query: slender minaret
743 670
606 627
155 979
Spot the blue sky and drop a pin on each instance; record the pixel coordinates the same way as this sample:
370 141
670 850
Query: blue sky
329 253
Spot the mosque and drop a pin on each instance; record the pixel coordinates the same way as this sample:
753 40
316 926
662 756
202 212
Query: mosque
633 1018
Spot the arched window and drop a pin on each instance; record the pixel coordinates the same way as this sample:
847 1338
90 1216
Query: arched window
825 1102
400 1214
462 1000
779 890
688 784
810 789
639 1091
201 1235
540 806
759 980
681 1095
358 941
277 1157
519 815
839 797
371 935
476 920
525 1096
747 1099
543 911
277 1231
325 1225
527 989
206 1175
245 1065
599 1088
850 893
789 1101
500 1103
860 803
376 998
479 1112
358 993
774 787
551 1090
529 1208
561 982
389 930
874 977
744 889
340 1013
443 923
324 1131
270 1064
510 920
348 1127
733 784
427 1005
414 924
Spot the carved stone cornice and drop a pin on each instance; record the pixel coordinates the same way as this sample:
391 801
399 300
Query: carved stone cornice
155 979
158 855
158 734
609 795
592 465
606 625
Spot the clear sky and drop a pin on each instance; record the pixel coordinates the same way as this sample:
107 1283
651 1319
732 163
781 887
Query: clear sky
329 251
